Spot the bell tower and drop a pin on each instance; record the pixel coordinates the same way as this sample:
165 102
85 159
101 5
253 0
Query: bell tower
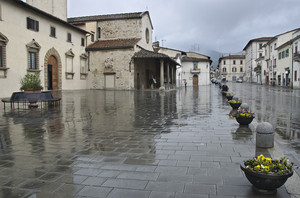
57 8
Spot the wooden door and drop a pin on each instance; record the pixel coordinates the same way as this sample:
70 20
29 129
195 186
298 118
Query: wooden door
53 62
195 80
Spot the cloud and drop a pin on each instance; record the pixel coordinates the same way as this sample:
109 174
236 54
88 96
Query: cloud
222 25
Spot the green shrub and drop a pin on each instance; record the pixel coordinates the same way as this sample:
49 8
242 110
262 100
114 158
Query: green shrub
31 81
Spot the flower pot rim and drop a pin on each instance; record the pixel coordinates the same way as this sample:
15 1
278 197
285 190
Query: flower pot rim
265 175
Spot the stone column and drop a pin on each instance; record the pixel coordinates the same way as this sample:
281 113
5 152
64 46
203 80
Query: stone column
172 76
162 87
168 75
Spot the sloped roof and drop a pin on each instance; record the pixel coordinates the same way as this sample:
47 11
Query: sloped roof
192 59
261 39
113 44
108 17
234 56
146 54
34 9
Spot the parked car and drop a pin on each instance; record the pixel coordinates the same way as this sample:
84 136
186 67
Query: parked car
239 80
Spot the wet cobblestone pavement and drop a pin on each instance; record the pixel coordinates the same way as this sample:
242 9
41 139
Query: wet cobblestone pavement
131 144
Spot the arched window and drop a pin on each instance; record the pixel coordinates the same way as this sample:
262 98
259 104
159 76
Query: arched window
241 69
234 69
224 69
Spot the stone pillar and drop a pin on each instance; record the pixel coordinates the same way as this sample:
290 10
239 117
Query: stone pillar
244 106
162 87
264 135
168 75
172 77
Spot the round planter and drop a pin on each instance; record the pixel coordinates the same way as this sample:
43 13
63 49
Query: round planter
224 93
235 105
265 183
229 97
244 120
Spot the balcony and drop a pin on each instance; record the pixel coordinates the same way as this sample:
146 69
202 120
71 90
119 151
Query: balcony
297 56
195 71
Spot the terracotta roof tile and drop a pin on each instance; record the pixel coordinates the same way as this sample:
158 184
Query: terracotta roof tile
113 44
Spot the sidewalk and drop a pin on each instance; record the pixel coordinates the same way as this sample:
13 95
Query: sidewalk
110 144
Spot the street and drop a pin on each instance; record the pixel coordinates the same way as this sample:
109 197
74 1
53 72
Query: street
141 143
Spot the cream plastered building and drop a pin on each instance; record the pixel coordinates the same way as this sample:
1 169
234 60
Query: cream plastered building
296 59
232 67
253 50
279 74
33 40
195 69
121 53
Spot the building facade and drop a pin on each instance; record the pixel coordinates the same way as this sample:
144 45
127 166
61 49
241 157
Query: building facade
121 53
32 40
195 69
279 59
296 60
253 50
232 67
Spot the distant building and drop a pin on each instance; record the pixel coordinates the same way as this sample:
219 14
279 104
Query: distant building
253 51
279 59
121 53
232 67
195 69
296 59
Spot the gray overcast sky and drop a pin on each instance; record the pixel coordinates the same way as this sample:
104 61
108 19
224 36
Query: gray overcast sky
200 25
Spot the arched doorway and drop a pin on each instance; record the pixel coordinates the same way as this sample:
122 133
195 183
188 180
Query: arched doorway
53 70
195 80
52 73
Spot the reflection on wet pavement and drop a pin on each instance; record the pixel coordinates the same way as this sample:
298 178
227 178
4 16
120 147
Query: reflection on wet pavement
105 143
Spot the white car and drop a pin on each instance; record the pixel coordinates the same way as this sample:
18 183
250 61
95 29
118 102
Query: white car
239 80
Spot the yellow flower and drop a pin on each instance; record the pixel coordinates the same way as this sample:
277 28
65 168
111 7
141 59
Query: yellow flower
261 157
268 160
257 168
242 115
267 168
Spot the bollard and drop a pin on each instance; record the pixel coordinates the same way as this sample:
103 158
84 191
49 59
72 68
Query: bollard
264 135
244 106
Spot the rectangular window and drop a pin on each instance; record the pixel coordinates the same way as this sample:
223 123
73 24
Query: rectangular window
287 53
260 46
98 33
32 24
1 57
195 65
69 37
260 54
32 60
234 62
241 62
82 41
283 54
52 31
92 38
279 55
295 76
82 65
224 62
241 69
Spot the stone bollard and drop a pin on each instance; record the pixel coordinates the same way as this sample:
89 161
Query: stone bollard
264 135
244 106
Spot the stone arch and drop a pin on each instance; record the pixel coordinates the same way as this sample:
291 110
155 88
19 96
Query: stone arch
53 52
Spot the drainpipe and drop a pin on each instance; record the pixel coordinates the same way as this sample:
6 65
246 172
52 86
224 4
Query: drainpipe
292 76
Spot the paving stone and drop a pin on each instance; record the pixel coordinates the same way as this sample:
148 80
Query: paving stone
138 175
125 183
154 194
165 186
90 191
94 181
175 178
200 189
126 193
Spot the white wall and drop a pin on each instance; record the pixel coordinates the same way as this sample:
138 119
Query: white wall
14 27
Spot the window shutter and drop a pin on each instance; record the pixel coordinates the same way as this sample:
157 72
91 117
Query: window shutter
37 25
28 23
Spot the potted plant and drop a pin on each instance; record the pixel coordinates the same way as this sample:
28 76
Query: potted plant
224 93
31 83
235 103
265 174
242 116
229 96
